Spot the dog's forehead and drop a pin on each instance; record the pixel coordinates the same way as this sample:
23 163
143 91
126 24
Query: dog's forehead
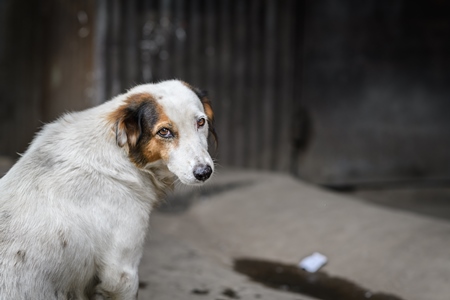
176 98
180 103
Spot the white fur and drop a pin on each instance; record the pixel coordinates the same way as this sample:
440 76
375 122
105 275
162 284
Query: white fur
74 209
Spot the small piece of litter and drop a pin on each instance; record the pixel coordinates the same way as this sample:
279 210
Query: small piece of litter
313 262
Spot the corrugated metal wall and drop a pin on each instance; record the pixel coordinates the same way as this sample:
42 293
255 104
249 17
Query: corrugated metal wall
375 87
247 54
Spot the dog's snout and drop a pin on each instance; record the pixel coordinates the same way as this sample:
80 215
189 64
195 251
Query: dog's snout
202 172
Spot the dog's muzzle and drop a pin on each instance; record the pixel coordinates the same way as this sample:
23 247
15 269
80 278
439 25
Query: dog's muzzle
202 172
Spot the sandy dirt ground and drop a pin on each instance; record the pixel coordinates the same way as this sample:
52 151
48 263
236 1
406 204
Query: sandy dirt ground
391 245
278 218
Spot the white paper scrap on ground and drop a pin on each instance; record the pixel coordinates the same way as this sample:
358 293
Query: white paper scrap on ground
313 262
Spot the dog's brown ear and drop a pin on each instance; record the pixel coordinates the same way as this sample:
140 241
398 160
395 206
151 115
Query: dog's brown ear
128 127
210 114
203 96
130 119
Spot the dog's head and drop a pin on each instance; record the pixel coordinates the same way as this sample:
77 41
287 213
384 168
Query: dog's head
167 123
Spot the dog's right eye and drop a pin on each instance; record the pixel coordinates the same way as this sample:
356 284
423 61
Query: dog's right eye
165 133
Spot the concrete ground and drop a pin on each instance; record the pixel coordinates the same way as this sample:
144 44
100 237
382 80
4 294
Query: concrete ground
172 269
196 235
393 242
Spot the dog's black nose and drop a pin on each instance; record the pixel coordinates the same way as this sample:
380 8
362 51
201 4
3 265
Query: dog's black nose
202 172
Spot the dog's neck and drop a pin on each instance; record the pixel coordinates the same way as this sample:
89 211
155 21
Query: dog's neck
162 179
156 176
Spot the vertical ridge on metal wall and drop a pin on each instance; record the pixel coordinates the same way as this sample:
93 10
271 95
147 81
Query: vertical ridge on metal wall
224 116
240 81
282 138
269 100
255 120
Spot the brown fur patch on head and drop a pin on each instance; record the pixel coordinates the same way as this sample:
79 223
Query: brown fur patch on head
136 125
159 147
207 107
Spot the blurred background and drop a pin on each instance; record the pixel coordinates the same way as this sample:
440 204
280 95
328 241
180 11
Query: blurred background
349 95
338 93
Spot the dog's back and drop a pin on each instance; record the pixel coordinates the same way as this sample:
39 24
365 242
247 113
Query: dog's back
40 199
52 199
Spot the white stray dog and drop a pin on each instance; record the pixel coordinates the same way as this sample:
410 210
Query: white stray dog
74 209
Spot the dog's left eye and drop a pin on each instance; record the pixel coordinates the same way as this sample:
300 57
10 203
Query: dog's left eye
165 133
201 122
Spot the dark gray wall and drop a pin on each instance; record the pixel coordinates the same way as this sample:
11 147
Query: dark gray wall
377 85
46 65
19 75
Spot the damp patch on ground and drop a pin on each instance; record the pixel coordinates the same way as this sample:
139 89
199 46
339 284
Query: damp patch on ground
293 279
